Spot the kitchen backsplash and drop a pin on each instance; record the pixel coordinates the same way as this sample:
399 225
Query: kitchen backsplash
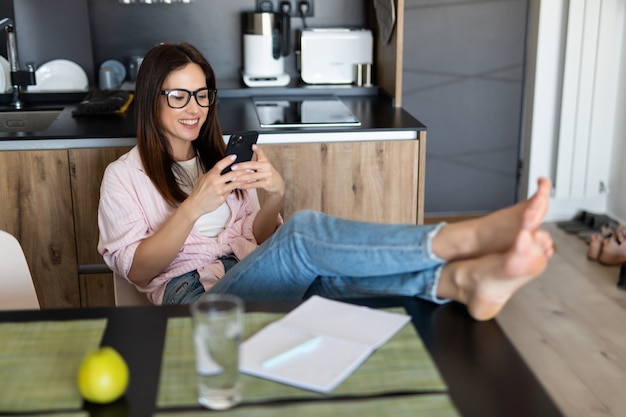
93 31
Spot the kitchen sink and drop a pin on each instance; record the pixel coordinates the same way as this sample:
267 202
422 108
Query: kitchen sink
27 120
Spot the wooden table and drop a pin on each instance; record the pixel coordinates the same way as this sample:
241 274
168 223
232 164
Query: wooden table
485 375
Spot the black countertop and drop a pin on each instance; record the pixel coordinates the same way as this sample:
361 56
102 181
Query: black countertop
236 111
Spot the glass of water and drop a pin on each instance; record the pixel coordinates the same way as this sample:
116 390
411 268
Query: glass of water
217 329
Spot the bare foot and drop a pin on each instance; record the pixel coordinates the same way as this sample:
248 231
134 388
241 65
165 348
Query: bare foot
486 283
494 232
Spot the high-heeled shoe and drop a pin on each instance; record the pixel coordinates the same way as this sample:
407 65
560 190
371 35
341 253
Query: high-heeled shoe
620 233
587 235
595 247
586 221
613 251
621 281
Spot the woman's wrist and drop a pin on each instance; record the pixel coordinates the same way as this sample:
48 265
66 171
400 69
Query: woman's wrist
188 211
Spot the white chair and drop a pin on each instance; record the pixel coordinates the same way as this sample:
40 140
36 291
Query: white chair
126 294
17 291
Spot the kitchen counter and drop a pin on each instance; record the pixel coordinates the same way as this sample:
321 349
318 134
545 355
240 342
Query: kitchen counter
379 121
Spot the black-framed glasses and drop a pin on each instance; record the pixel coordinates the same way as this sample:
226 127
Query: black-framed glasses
178 98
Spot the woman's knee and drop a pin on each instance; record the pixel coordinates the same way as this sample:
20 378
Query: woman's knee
304 218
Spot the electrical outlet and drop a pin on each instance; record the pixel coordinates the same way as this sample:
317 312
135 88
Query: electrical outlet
266 6
293 6
307 5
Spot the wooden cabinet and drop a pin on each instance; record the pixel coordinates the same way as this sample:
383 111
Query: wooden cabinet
50 202
86 169
36 207
375 181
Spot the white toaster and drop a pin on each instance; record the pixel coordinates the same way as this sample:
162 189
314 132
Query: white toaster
328 56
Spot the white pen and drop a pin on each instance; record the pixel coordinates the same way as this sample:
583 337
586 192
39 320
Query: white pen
304 347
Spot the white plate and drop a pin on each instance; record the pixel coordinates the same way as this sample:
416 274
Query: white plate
5 75
118 68
60 75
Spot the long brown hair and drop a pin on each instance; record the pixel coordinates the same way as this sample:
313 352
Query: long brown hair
154 148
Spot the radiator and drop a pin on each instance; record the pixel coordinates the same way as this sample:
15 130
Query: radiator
588 99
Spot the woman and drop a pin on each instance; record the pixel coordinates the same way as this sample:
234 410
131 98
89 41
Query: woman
175 227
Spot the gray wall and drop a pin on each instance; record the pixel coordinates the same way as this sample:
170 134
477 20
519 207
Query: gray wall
212 25
54 30
463 78
92 31
6 10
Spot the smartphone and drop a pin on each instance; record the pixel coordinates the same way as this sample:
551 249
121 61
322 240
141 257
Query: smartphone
240 144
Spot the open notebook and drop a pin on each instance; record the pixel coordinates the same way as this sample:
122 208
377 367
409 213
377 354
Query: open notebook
318 344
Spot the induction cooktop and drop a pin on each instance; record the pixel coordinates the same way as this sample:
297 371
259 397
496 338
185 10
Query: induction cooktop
319 111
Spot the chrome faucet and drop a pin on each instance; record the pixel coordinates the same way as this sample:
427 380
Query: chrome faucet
19 78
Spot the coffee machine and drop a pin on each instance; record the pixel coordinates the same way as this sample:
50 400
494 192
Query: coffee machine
265 44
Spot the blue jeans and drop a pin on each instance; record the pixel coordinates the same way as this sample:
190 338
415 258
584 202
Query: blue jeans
316 254
185 288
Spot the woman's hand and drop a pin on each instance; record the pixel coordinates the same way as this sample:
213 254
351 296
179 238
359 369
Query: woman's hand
212 188
262 174
259 174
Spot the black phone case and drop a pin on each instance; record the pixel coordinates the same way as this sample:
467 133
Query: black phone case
240 144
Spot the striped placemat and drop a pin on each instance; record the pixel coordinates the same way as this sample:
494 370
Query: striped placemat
431 405
39 362
402 365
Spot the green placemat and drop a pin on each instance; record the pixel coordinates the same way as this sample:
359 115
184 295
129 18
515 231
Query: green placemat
39 362
400 365
433 405
60 414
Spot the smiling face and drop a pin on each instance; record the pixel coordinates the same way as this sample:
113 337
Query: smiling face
182 126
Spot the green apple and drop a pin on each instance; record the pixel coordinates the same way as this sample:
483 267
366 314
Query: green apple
103 376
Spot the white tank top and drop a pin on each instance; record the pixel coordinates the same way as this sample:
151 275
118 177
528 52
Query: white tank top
209 224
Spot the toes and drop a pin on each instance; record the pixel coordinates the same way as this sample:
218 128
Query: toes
545 242
523 242
529 254
538 205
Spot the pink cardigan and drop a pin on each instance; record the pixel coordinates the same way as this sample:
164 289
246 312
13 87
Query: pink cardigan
132 209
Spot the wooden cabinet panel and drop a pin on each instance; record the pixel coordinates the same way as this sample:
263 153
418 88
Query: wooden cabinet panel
96 290
87 167
36 207
389 55
373 181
